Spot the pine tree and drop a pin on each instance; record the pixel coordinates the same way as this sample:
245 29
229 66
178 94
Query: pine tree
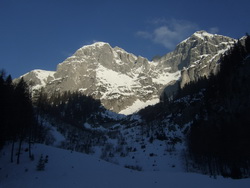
24 121
41 164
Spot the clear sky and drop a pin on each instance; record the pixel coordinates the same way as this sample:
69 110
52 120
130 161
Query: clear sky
39 34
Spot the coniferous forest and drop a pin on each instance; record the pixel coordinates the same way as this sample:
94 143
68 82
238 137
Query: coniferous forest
22 118
70 107
219 138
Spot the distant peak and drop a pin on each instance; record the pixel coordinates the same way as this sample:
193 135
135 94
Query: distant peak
200 34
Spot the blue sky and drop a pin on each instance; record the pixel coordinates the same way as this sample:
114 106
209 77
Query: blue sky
39 34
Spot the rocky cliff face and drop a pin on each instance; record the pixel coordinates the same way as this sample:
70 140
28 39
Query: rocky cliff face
197 56
124 82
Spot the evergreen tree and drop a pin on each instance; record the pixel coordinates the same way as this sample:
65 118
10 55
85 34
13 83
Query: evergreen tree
41 164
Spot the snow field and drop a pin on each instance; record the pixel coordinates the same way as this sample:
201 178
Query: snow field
66 169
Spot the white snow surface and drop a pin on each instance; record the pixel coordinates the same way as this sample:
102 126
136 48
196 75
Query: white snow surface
118 84
115 81
42 75
167 77
66 169
138 105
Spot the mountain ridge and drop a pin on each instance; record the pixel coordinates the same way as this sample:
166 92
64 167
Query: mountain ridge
121 80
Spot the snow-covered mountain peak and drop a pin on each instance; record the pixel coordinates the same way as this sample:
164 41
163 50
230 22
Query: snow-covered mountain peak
41 76
202 34
205 36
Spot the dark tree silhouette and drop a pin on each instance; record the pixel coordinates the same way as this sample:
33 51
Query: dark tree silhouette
17 115
219 140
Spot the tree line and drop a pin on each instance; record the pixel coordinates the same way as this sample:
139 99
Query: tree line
70 107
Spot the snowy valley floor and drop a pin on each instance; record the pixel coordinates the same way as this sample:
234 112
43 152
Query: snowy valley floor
67 169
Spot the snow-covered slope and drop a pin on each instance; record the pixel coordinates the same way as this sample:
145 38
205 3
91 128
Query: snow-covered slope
39 78
67 169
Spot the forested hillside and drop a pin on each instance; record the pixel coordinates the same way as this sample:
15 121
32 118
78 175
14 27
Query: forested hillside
71 107
218 140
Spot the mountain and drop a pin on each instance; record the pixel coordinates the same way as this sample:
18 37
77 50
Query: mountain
126 83
203 129
197 56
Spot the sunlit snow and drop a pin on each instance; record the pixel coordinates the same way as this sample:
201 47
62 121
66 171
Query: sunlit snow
137 105
167 77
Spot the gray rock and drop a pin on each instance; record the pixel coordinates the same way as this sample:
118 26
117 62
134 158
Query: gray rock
197 56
